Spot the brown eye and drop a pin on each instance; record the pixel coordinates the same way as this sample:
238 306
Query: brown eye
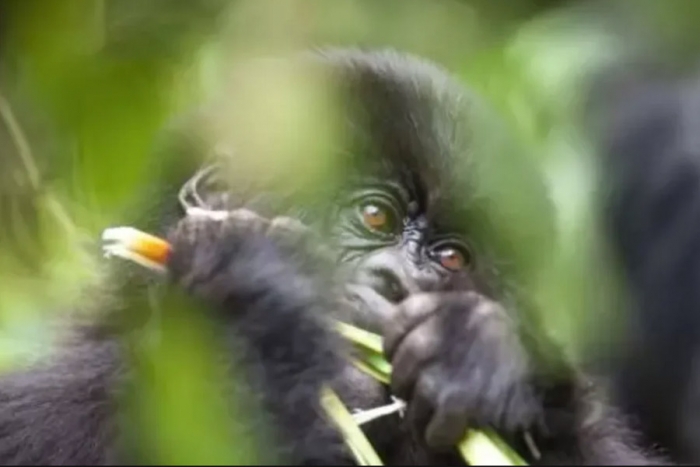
452 259
375 217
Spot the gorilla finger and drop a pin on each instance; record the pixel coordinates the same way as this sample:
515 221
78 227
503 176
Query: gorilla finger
288 228
450 420
245 220
417 349
409 314
421 406
191 235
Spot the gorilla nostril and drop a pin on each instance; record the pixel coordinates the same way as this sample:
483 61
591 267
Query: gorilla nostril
389 284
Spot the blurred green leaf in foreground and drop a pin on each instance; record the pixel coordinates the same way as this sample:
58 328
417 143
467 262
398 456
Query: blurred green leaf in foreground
86 86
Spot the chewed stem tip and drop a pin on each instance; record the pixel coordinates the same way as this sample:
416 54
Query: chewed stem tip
132 244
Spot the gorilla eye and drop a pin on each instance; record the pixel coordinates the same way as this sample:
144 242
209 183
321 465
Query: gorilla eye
377 217
453 258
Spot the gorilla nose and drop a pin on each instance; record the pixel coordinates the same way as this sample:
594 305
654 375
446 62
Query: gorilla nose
389 283
388 274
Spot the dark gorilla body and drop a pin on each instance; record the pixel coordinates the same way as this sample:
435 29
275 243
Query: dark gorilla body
650 195
456 331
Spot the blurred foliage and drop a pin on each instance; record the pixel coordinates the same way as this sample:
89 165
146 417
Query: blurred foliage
86 85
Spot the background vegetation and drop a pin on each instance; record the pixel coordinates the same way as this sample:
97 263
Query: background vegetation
86 85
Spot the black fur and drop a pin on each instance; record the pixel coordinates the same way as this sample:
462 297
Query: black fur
651 203
470 354
242 278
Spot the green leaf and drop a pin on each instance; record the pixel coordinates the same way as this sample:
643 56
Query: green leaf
486 448
354 437
361 337
371 370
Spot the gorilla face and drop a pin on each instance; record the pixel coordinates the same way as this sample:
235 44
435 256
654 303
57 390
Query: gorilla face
403 218
391 247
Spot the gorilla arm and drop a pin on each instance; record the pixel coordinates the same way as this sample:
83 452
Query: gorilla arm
65 411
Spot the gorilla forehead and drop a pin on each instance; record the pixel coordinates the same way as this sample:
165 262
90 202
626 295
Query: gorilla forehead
406 120
409 121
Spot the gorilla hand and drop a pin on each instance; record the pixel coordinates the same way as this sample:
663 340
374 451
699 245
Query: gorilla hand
207 246
458 362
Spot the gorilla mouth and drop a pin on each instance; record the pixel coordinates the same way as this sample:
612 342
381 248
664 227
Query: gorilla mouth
367 308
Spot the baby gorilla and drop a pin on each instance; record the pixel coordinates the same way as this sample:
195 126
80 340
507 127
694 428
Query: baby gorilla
210 255
418 245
